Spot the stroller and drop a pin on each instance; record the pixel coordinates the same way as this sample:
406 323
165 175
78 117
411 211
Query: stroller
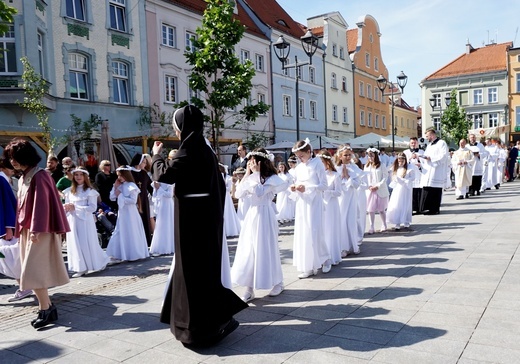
105 223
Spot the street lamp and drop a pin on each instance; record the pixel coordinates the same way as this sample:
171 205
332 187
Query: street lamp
282 48
434 104
382 84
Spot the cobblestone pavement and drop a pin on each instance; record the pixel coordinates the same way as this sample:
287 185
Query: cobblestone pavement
445 292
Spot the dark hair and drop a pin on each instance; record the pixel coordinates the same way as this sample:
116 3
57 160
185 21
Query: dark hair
301 143
414 138
395 165
23 152
286 169
327 161
52 158
376 162
266 166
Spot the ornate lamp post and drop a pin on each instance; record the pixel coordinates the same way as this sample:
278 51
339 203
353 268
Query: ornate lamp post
382 84
433 104
282 48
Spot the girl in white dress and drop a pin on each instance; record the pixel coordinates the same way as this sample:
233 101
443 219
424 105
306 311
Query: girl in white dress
310 251
348 201
244 200
331 212
163 237
257 262
399 210
377 193
84 254
284 205
128 241
231 221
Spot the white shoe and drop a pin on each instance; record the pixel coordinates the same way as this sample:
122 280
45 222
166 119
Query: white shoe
78 274
20 295
248 296
325 268
344 253
307 274
276 290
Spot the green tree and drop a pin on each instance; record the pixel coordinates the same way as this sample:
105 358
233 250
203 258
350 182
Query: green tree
217 71
6 16
454 121
35 88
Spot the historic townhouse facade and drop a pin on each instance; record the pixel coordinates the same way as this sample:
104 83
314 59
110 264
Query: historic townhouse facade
513 67
171 26
90 53
274 21
338 76
371 108
480 76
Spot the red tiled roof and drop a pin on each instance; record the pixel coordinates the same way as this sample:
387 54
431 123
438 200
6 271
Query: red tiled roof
198 6
317 31
492 57
272 14
352 37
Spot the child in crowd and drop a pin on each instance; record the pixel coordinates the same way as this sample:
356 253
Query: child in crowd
399 210
163 204
284 205
377 193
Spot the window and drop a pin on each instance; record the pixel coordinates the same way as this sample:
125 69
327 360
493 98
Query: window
344 84
341 52
345 115
334 113
286 105
259 62
299 72
333 82
301 107
8 52
402 122
376 64
376 121
190 37
120 79
408 123
517 114
383 122
493 119
41 55
312 107
286 70
193 93
169 36
437 102
260 99
437 123
78 76
477 121
170 87
477 97
118 15
369 119
75 9
312 75
376 94
492 95
334 49
518 83
369 91
367 60
244 56
361 88
361 117
463 98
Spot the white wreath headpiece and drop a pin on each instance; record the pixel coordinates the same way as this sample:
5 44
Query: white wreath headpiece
324 156
373 150
124 168
268 156
307 142
79 170
343 148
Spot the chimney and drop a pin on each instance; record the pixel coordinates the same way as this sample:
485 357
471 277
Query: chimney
469 48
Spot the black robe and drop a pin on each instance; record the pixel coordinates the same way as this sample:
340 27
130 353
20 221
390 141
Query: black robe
143 181
197 305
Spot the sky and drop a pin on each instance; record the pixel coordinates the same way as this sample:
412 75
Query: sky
421 36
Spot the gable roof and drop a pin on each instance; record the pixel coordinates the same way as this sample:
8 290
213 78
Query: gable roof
352 38
272 14
198 6
492 57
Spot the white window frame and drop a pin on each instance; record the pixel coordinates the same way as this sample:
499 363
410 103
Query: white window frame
478 97
344 84
341 53
334 113
171 89
168 35
120 83
188 42
8 52
260 97
345 116
333 81
361 89
301 107
518 82
118 15
369 91
367 60
436 122
334 49
259 62
493 119
313 105
383 122
492 95
369 119
244 55
362 117
79 71
75 9
376 121
376 64
41 54
312 74
286 105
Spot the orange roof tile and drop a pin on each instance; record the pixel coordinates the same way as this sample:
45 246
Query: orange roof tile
272 14
352 38
317 31
480 60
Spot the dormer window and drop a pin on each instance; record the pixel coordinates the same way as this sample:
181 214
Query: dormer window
282 22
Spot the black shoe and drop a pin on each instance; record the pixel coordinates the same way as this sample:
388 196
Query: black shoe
467 195
45 317
478 193
488 189
432 212
497 186
460 197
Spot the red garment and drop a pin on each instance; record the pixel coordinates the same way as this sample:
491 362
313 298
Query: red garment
40 209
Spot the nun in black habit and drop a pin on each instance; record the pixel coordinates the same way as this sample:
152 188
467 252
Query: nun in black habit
143 181
197 306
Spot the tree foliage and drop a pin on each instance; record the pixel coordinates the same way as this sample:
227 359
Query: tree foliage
35 87
454 121
217 72
6 16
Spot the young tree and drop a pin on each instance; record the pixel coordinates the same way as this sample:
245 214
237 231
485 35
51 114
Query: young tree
454 121
217 71
6 16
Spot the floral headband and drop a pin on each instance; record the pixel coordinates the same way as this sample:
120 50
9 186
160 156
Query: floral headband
268 156
324 156
373 150
344 148
307 142
124 168
79 170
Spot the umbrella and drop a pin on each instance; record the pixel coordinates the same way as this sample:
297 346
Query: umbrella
107 150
